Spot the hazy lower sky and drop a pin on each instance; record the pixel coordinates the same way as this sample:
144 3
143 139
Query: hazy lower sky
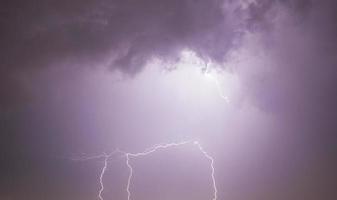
254 81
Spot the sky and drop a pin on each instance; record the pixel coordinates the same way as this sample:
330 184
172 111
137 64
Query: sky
253 81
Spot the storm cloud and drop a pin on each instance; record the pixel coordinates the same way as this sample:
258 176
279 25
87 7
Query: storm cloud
125 34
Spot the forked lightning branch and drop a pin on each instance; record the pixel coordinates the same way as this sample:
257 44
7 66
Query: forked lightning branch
129 156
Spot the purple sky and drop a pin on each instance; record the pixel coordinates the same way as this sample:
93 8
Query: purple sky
84 77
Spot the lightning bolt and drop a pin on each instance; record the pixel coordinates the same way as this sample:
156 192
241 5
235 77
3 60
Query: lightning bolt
165 146
146 152
224 97
217 83
215 194
106 158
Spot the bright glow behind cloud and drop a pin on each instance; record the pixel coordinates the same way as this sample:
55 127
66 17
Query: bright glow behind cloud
195 79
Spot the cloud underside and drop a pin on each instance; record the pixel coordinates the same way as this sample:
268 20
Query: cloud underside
283 41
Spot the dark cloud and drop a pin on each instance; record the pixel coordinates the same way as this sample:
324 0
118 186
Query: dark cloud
126 34
43 33
296 68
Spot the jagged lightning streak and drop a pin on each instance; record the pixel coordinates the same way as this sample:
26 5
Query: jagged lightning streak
217 83
219 88
147 151
164 146
215 194
106 157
